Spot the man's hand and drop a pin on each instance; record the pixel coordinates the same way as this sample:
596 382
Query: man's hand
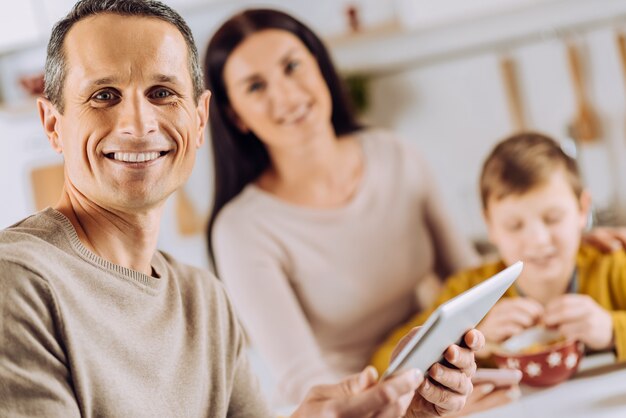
492 388
446 389
509 317
486 396
359 396
579 317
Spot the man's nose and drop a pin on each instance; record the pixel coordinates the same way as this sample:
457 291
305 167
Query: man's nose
137 117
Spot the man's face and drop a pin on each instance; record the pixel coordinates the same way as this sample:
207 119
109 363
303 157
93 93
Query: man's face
131 126
541 227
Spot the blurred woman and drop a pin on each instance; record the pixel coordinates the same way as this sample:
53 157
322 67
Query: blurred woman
321 229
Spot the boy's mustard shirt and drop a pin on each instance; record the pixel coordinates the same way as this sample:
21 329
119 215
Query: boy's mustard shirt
601 276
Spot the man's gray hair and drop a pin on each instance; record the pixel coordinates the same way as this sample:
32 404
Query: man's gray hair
56 68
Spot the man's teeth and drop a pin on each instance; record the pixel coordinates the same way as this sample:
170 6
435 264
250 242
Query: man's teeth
135 157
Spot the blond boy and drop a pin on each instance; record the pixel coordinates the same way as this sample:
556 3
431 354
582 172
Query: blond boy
536 209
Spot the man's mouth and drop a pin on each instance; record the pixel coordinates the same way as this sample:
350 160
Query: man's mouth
136 157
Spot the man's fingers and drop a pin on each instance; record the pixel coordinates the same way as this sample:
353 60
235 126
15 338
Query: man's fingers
479 391
443 399
351 385
384 395
398 409
461 358
455 380
474 339
497 397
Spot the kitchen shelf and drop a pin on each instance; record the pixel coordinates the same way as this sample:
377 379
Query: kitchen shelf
391 49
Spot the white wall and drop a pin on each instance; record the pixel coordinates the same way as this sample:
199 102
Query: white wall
454 111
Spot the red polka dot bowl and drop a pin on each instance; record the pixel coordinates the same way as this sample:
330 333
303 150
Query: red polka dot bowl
543 356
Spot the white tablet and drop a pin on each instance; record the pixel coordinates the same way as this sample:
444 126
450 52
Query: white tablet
450 321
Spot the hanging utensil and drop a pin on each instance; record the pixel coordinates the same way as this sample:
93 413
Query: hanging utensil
586 126
621 46
188 220
511 87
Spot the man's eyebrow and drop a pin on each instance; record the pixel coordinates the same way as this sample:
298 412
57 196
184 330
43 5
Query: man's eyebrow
102 81
160 78
87 87
165 78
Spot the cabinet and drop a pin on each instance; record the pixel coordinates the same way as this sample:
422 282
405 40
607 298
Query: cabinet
397 49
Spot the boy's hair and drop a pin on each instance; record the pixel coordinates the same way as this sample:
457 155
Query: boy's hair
522 162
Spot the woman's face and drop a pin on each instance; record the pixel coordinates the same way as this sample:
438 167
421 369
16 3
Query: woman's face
276 89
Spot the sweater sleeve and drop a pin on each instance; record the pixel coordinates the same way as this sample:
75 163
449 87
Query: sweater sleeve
617 294
265 301
34 375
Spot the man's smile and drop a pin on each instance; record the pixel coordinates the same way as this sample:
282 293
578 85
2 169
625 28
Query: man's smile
137 159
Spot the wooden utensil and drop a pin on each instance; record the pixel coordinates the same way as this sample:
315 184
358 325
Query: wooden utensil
586 126
188 220
47 185
621 46
511 87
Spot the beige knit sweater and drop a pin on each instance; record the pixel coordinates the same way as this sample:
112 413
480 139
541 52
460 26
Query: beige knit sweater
80 336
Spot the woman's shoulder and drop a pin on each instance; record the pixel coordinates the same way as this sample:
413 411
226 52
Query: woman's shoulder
385 142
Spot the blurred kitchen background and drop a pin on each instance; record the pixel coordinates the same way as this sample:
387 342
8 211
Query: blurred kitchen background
451 76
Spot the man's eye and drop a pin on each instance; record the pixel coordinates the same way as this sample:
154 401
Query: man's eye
161 94
104 96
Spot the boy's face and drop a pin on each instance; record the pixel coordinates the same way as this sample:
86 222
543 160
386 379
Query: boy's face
541 227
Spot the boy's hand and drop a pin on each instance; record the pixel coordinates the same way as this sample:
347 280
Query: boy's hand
579 317
606 239
509 317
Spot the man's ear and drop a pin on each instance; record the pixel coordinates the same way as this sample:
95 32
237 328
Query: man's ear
202 111
49 116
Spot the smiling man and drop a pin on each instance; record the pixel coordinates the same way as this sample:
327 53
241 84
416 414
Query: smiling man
94 320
